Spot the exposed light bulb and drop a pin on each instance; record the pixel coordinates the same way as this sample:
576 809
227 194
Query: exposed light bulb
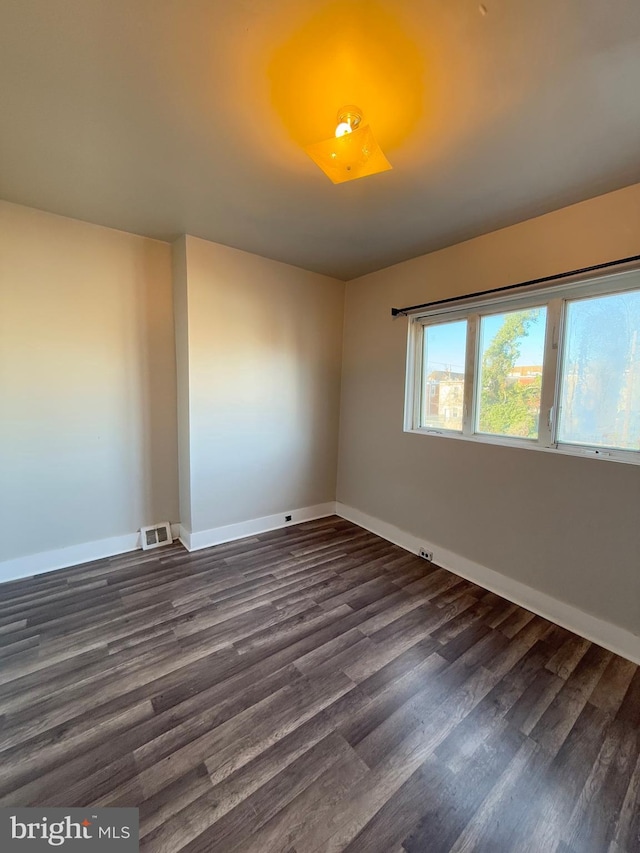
343 128
353 154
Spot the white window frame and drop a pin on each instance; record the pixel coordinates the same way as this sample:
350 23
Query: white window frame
554 299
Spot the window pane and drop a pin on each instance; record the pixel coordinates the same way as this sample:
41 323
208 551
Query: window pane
511 357
600 394
445 347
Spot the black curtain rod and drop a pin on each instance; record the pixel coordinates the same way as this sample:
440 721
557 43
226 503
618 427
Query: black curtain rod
395 312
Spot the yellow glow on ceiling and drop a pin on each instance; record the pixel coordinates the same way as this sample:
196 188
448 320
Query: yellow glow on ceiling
349 52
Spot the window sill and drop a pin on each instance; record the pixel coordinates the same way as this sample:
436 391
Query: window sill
630 457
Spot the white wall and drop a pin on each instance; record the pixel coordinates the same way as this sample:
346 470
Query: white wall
566 526
87 384
264 348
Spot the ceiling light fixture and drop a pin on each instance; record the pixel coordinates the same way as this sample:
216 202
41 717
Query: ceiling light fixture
352 153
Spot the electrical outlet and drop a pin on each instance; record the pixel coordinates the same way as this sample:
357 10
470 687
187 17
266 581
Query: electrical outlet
287 518
426 555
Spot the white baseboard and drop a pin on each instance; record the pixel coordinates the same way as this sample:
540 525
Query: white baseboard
185 537
618 640
74 555
195 541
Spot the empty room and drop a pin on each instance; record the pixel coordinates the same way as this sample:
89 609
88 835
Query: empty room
320 426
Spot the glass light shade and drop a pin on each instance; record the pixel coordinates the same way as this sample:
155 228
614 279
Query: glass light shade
345 158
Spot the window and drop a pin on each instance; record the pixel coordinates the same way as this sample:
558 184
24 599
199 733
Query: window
556 370
600 390
510 366
444 348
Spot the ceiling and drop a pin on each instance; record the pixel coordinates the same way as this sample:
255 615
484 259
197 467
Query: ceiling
165 117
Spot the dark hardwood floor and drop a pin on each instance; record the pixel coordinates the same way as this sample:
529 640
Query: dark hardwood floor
314 689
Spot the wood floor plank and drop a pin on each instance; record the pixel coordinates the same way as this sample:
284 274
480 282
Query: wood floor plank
593 821
309 809
559 718
194 830
450 800
613 684
482 830
314 689
548 788
627 821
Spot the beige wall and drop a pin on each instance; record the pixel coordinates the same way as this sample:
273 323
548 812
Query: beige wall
87 383
181 316
566 526
264 363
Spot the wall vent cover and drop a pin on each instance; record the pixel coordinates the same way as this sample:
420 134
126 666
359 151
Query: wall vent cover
156 535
